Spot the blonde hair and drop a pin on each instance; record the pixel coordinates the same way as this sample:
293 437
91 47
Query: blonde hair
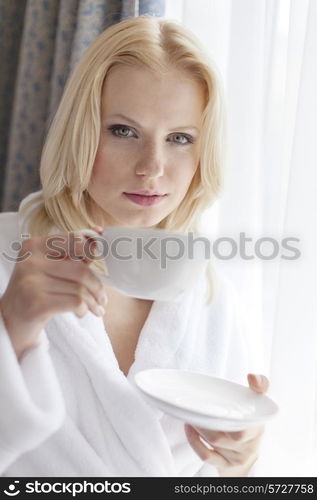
72 141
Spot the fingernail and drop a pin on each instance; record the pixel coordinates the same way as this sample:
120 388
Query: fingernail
100 311
258 379
189 429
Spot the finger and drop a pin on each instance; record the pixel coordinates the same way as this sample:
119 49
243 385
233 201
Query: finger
98 229
207 455
82 247
230 440
94 250
211 436
237 455
246 435
58 303
56 286
245 453
241 457
66 303
80 273
258 383
73 246
81 310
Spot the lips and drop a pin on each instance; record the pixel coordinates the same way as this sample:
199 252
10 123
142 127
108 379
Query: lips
145 192
145 199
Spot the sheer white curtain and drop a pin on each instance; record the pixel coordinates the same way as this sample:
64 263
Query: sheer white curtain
267 52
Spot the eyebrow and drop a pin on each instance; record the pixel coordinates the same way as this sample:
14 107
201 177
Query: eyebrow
123 117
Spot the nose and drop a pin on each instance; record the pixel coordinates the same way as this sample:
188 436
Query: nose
151 162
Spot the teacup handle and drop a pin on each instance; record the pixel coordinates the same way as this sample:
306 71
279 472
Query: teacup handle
90 233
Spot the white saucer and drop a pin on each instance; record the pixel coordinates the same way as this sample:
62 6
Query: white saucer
205 401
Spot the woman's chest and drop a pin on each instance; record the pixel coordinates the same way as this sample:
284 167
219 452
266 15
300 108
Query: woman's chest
123 324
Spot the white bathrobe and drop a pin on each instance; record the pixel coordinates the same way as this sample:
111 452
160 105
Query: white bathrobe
68 410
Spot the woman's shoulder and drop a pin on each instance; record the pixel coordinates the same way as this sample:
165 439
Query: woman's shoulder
9 244
11 223
9 226
12 232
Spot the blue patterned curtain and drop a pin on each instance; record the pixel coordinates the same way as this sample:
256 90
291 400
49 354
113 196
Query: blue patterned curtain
40 42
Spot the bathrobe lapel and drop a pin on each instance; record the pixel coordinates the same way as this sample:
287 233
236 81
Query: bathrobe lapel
134 421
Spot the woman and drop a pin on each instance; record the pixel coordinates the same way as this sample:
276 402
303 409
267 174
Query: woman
137 141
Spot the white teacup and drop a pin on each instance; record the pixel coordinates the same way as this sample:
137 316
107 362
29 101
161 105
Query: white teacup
151 264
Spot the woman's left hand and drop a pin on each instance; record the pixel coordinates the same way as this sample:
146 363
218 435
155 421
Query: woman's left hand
233 453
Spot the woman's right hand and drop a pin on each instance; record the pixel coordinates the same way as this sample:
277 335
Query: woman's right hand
49 282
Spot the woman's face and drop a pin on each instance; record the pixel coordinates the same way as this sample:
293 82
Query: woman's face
149 145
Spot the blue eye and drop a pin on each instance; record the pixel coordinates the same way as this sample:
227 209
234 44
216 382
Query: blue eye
188 139
118 128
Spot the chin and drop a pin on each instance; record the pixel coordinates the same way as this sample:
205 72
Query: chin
137 221
142 223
